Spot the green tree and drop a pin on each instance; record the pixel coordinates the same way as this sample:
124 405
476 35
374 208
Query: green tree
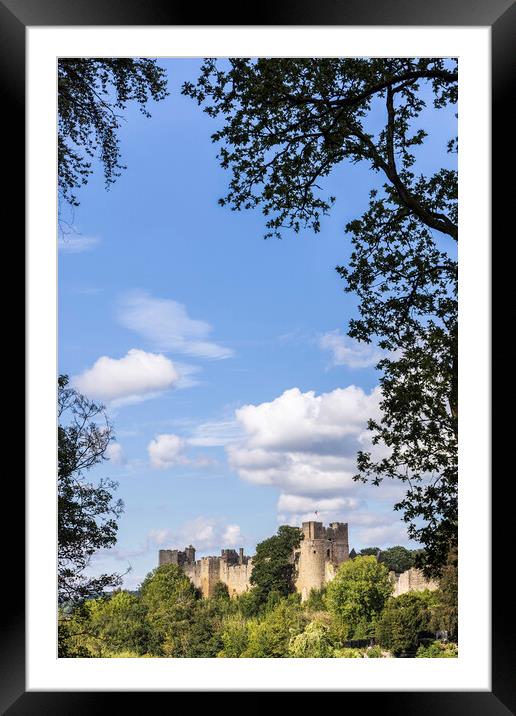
403 619
74 633
315 642
369 552
270 636
87 512
397 559
221 592
357 595
447 611
170 599
316 600
234 635
285 124
120 623
92 94
203 635
248 604
273 563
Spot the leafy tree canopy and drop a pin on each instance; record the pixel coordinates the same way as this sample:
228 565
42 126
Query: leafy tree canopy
273 563
270 637
397 559
315 642
447 612
369 552
234 635
118 623
358 593
87 512
92 94
288 122
403 619
170 599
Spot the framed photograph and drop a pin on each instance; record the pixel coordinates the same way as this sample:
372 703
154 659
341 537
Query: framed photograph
259 465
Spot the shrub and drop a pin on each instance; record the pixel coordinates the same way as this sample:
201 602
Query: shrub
438 650
348 653
314 642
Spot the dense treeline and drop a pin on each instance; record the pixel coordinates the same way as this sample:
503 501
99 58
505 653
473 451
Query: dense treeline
168 617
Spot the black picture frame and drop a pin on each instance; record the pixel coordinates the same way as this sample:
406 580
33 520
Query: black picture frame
500 16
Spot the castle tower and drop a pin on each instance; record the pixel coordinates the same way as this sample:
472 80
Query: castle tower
210 575
321 551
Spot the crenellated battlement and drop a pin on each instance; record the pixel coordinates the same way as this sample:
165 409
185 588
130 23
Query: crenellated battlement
321 551
232 568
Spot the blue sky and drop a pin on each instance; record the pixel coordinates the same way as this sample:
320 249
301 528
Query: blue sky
238 402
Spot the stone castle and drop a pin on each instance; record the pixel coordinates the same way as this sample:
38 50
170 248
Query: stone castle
321 551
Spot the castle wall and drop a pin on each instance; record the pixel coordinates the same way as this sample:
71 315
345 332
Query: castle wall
193 572
206 572
237 577
413 580
321 551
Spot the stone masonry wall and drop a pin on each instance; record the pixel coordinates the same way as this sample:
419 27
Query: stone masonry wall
320 553
207 571
413 580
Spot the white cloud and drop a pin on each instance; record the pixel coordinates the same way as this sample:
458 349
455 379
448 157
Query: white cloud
302 442
135 377
305 422
167 326
77 244
203 533
166 451
305 445
302 503
159 537
385 535
115 454
232 536
349 352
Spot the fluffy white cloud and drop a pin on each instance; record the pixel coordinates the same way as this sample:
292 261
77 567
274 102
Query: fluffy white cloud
166 451
232 536
168 327
115 453
310 505
203 533
306 444
136 376
349 352
326 424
